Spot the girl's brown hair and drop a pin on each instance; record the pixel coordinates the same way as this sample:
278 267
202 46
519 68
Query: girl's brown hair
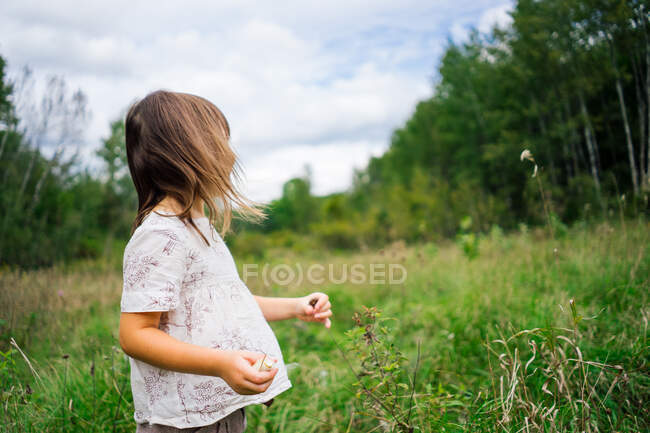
177 145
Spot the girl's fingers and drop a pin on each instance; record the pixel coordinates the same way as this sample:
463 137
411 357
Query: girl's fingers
324 315
260 377
252 357
326 321
254 388
321 311
322 300
308 310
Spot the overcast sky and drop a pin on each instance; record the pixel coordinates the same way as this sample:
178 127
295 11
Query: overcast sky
300 84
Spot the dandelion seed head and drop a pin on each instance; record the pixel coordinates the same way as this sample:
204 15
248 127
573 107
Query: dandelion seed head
526 154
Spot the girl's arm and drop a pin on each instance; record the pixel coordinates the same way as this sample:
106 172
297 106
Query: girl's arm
315 307
141 339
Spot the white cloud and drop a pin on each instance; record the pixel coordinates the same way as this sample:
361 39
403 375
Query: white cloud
332 166
298 84
498 16
492 16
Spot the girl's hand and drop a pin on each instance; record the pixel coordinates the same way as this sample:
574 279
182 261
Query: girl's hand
236 368
315 307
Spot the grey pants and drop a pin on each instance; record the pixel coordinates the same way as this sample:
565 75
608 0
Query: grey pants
233 423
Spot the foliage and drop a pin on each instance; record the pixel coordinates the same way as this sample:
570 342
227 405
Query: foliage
387 389
566 79
53 210
548 82
467 240
459 312
475 345
544 381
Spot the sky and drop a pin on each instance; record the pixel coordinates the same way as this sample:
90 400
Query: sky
318 84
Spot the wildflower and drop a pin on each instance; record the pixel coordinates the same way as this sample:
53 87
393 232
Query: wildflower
370 313
574 312
527 154
369 336
264 364
60 293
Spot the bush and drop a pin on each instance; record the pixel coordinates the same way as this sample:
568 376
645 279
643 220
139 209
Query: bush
336 234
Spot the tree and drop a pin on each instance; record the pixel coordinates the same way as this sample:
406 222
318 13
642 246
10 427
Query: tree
119 198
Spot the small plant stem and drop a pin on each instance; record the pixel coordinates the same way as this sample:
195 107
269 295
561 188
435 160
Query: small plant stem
546 207
120 390
319 420
351 419
92 373
381 370
63 396
363 385
489 358
29 364
415 376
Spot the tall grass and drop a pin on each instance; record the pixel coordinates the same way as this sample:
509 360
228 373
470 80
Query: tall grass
501 348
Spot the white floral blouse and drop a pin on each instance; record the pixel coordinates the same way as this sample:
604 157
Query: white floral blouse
168 267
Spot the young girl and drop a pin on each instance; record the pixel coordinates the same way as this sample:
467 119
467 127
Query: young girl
192 329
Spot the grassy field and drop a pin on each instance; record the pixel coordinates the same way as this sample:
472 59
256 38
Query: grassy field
532 334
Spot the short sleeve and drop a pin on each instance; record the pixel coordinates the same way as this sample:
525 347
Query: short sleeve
153 270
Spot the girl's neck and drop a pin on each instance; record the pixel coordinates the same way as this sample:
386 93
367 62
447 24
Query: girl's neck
169 204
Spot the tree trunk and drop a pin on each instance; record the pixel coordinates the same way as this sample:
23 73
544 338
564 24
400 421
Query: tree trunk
5 137
641 111
626 124
647 90
547 148
590 141
38 137
28 173
628 136
567 160
39 185
573 135
563 123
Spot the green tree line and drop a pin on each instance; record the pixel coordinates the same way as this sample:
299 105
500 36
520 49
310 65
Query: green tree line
567 79
53 207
